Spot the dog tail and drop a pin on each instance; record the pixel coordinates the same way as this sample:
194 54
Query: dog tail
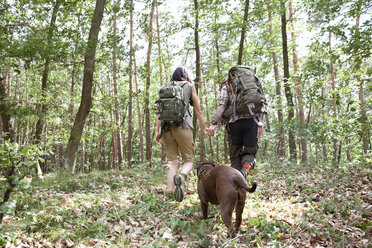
252 189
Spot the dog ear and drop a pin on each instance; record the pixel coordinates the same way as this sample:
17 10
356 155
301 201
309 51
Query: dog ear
215 164
198 165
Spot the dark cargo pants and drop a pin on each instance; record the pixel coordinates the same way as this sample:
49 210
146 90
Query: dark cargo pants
242 138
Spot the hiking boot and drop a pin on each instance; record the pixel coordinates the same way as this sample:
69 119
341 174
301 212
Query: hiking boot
244 173
247 167
179 191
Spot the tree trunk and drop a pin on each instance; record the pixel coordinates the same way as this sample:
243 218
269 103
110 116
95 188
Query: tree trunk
211 152
147 93
42 108
298 88
242 35
86 97
138 110
287 87
218 78
333 85
198 77
116 98
130 101
4 113
363 112
281 145
163 155
82 155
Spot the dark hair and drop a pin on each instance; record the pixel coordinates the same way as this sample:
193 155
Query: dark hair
181 74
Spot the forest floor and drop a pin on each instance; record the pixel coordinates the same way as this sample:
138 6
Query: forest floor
293 206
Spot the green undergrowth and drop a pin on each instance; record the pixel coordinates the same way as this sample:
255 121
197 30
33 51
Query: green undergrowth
294 205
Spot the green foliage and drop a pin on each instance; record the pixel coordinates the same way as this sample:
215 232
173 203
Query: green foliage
17 162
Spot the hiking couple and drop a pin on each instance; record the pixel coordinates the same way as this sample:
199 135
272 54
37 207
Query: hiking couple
174 123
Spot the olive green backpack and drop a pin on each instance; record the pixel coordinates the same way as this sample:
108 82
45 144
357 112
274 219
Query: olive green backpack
247 91
171 103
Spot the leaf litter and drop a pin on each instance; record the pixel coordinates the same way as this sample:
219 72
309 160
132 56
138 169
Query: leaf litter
292 207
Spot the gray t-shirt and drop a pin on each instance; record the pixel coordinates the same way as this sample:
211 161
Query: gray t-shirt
187 91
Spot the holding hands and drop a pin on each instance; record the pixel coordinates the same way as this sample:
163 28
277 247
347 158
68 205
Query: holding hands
211 129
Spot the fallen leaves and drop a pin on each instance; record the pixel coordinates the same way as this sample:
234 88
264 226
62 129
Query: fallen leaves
321 207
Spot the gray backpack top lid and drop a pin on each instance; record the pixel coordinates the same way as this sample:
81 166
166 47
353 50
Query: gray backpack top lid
171 103
247 89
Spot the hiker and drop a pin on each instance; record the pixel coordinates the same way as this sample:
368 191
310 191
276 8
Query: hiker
243 126
177 135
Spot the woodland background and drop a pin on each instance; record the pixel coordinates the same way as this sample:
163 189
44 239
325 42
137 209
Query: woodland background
78 82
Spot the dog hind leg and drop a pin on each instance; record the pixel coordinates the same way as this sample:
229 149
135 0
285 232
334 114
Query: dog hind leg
204 207
239 211
226 210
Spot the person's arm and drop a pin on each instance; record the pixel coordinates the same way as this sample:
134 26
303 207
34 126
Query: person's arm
157 130
197 108
222 104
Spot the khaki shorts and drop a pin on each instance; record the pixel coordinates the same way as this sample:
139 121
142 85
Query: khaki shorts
179 140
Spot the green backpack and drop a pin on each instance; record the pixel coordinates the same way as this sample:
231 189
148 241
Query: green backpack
171 103
247 88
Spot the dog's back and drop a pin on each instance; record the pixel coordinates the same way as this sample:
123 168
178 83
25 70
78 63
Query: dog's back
224 186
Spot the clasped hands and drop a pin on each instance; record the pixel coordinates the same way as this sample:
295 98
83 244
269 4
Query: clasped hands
210 130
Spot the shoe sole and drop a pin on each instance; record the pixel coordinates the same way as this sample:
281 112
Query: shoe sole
179 192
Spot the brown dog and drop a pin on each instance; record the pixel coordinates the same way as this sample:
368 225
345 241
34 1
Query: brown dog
224 186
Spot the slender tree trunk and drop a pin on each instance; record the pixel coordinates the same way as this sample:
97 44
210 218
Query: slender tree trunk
298 88
113 142
116 97
363 112
71 107
130 102
281 145
163 155
242 35
218 78
148 82
208 121
42 108
333 85
4 113
138 110
82 154
86 97
288 93
44 81
198 77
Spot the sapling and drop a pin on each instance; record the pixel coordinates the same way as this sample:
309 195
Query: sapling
16 163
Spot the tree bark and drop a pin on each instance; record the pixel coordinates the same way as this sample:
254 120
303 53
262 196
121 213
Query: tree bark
298 88
138 110
4 113
116 98
363 112
333 85
86 97
198 77
42 108
287 88
281 145
147 93
163 155
242 35
130 101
